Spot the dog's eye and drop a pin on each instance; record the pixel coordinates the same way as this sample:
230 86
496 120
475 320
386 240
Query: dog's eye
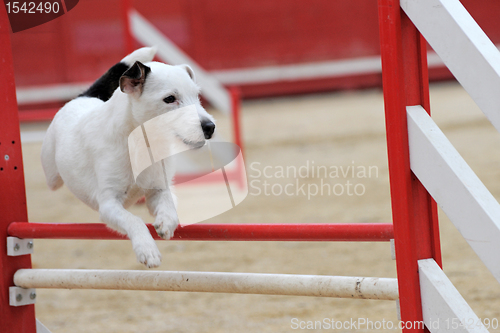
169 99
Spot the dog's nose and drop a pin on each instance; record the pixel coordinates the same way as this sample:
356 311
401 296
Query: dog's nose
208 129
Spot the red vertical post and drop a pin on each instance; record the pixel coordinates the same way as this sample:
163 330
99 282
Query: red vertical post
12 194
235 118
126 6
235 115
405 81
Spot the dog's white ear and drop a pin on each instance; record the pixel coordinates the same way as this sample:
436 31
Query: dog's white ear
132 81
190 71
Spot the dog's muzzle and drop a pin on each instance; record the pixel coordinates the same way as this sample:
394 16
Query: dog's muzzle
208 128
194 145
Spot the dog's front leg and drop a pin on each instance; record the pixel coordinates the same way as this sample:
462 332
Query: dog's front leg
117 217
161 204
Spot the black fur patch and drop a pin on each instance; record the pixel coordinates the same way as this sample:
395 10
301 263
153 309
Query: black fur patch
106 85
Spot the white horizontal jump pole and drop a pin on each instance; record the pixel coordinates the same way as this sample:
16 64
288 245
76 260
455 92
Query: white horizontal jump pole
443 308
149 35
455 187
241 283
464 48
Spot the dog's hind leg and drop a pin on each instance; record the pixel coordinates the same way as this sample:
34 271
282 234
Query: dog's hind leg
112 213
48 156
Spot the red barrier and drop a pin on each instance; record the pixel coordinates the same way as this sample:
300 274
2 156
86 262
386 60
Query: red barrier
218 36
37 115
127 34
362 232
19 319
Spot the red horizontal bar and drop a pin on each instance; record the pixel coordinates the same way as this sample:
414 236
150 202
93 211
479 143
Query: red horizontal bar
362 232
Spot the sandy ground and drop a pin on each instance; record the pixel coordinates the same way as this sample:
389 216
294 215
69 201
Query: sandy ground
332 130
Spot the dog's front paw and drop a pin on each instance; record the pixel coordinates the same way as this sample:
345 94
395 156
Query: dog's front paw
148 254
165 225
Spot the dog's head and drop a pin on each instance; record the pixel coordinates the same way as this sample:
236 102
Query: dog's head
156 88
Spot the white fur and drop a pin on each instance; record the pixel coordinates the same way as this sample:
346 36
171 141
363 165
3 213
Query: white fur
86 148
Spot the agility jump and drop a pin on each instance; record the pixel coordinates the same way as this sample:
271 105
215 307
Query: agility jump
411 134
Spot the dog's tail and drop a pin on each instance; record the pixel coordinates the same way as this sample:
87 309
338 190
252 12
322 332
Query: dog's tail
145 54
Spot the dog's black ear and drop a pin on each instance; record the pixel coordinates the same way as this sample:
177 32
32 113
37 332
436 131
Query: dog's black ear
132 81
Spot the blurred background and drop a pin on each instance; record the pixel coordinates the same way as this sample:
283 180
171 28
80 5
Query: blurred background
309 77
234 40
